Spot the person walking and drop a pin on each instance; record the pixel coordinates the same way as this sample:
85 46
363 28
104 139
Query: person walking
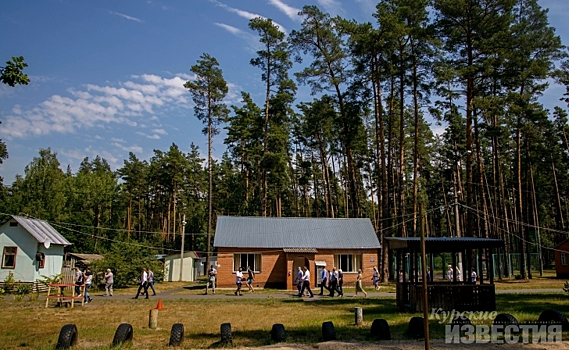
151 282
375 278
239 281
306 282
211 279
359 286
298 280
78 281
473 275
88 282
323 281
109 282
341 281
334 283
250 278
143 284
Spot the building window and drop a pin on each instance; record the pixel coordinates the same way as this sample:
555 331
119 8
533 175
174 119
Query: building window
349 262
40 257
9 257
244 260
13 223
564 259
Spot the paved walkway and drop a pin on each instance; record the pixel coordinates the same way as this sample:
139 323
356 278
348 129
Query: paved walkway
285 294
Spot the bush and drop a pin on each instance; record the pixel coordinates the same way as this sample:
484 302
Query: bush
126 262
9 283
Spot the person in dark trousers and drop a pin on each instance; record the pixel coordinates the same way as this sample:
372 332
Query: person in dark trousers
334 283
151 282
298 280
341 281
306 282
323 281
250 278
78 281
143 284
88 278
239 281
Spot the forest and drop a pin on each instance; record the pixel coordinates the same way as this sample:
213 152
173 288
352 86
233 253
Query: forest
364 146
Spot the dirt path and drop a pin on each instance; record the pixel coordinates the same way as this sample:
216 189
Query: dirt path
412 345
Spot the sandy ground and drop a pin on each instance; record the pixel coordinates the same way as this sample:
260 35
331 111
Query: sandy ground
412 345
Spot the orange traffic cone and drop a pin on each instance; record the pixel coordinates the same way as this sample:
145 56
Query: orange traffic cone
160 306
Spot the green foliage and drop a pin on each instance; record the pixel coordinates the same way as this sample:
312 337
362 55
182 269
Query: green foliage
126 262
23 289
9 283
47 280
12 74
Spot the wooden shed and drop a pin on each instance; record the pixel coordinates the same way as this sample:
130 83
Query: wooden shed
561 255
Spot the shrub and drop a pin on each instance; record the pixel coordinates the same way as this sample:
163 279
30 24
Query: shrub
9 283
126 262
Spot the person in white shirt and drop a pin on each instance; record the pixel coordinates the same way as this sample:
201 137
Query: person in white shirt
239 281
143 284
306 283
109 283
473 276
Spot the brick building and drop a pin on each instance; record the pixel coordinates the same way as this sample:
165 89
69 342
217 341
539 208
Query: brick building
276 247
561 257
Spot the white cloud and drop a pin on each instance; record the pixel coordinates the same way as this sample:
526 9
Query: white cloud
152 137
160 131
290 11
130 18
129 103
245 14
232 30
252 40
133 149
333 7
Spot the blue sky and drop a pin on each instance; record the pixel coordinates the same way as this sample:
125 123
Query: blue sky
106 76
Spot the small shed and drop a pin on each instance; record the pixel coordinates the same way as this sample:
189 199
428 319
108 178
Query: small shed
276 247
458 294
561 255
79 260
31 248
191 269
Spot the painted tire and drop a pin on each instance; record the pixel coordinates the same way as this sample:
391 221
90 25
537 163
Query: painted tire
505 319
328 331
278 333
416 328
226 333
460 321
554 317
123 334
380 329
67 337
176 334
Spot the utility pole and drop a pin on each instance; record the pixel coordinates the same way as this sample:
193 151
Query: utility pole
424 276
182 250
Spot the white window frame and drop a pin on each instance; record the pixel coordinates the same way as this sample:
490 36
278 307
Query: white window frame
564 259
4 255
355 260
238 261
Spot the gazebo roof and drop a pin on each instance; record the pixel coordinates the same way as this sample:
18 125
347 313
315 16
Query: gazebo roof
443 244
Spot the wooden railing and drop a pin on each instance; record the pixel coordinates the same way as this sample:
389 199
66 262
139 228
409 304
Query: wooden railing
447 296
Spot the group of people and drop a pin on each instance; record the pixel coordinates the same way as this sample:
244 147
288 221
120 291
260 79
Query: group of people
450 275
239 280
146 281
303 282
85 279
332 281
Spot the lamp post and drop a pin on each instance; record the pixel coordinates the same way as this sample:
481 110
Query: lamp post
456 211
182 250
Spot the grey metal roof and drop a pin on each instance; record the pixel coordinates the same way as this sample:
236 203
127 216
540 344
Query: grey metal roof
41 230
271 232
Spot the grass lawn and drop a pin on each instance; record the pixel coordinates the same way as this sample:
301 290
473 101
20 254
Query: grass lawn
28 325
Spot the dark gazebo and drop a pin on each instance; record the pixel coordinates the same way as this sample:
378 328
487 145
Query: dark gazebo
459 295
